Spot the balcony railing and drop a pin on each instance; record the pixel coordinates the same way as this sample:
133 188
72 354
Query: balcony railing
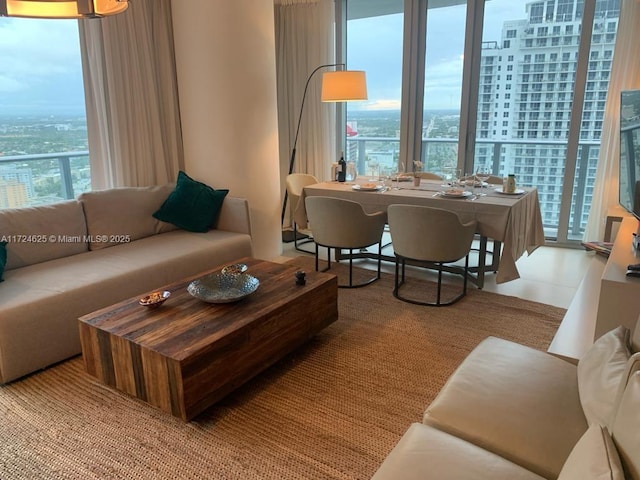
28 171
69 180
436 157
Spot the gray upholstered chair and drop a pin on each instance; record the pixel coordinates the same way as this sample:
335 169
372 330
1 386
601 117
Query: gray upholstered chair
430 236
295 183
343 224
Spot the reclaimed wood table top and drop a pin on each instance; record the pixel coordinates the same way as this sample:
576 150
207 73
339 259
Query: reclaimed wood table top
186 354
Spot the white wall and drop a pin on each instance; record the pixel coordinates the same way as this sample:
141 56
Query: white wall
225 55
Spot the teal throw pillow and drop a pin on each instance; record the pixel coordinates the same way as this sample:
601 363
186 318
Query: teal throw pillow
192 205
3 258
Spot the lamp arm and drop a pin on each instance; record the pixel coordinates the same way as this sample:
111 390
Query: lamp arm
295 140
304 96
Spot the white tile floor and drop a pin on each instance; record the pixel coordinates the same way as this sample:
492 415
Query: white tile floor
550 275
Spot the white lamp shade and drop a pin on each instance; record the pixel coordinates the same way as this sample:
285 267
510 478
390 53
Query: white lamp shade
344 86
62 8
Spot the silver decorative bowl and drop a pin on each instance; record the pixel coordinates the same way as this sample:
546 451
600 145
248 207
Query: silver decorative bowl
223 287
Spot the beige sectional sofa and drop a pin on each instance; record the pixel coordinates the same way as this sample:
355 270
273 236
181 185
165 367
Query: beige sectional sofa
68 259
512 412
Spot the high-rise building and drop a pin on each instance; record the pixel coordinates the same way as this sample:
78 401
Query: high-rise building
526 94
18 175
12 194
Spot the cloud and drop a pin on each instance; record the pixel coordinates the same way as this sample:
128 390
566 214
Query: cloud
41 64
377 105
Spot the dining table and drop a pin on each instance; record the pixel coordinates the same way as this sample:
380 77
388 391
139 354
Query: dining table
512 220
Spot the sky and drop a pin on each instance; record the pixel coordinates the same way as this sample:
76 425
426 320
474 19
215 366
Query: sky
40 65
375 45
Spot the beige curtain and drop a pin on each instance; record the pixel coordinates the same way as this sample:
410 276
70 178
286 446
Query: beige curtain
131 94
625 75
304 40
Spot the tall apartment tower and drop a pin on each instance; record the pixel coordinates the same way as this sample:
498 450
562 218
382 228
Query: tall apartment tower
526 95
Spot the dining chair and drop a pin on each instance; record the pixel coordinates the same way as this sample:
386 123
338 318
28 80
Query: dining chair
430 237
495 248
343 224
295 183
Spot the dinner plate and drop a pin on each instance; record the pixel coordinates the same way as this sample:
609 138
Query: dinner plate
368 187
456 194
402 178
477 183
518 191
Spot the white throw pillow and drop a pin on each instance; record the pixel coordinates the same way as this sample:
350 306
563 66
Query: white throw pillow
599 373
594 457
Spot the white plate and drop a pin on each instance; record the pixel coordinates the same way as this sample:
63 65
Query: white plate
476 183
518 191
364 188
462 194
403 178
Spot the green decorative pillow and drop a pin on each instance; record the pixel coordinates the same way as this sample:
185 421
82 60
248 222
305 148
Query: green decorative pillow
3 258
192 205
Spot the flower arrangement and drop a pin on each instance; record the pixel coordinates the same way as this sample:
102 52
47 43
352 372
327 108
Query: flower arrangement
417 167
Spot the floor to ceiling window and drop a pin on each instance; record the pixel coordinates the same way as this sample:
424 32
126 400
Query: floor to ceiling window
445 36
43 128
374 44
521 65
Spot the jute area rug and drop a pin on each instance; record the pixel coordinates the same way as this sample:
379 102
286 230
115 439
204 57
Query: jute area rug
333 409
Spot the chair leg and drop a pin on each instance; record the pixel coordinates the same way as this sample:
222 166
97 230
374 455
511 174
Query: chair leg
399 280
439 283
379 257
396 279
351 267
466 274
317 247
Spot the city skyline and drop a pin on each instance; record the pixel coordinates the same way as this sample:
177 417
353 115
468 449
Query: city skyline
41 77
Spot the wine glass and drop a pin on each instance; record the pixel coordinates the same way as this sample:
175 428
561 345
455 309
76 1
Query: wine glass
482 174
399 173
388 177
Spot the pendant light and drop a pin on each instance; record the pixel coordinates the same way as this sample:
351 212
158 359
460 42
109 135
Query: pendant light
61 8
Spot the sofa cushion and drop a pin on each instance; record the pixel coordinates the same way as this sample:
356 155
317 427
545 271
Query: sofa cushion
599 373
107 223
626 428
3 258
192 206
33 238
514 401
593 458
635 338
39 324
427 453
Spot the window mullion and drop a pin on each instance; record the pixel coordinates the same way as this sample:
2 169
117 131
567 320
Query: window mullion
470 83
413 60
576 119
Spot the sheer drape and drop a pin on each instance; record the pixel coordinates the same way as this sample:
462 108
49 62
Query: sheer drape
131 94
304 40
625 75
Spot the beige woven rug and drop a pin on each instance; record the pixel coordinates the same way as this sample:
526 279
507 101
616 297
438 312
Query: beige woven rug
333 409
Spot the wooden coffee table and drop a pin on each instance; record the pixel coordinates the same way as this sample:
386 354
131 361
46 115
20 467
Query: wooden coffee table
187 354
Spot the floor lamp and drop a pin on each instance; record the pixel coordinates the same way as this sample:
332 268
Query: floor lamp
337 86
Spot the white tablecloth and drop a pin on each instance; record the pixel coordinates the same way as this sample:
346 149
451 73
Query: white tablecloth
514 220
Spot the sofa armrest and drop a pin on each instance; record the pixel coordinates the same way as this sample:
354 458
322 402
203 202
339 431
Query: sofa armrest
234 216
